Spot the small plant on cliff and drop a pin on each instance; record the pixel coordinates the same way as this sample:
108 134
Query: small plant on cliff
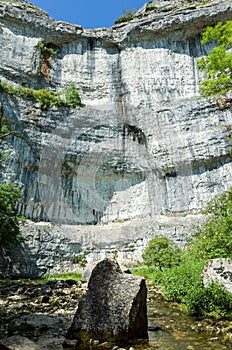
47 52
218 64
128 15
72 96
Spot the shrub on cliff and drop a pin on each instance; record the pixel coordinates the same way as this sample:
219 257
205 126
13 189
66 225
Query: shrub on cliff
218 64
128 15
72 96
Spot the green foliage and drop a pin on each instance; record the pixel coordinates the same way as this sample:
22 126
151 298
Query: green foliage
180 272
181 280
213 299
9 224
161 253
47 51
218 64
151 7
79 259
5 127
72 97
214 239
153 274
128 15
46 98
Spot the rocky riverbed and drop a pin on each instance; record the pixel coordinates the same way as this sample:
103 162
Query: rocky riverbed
37 316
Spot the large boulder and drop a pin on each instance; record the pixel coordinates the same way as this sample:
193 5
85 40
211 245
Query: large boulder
218 270
113 309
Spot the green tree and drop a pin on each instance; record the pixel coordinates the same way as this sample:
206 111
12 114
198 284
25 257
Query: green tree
9 194
161 253
218 64
9 224
214 239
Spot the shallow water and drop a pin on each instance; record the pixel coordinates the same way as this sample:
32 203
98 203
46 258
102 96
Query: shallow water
176 331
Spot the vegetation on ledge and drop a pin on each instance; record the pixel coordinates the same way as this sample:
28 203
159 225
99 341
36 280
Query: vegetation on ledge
46 98
127 16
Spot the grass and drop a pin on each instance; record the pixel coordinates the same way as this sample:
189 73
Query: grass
64 277
5 282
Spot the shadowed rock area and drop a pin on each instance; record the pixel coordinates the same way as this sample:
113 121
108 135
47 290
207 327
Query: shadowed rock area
113 308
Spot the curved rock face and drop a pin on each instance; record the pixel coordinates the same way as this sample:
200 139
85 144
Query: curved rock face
145 144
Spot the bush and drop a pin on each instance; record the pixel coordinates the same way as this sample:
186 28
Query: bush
214 239
9 224
212 299
181 271
152 274
161 253
179 280
72 97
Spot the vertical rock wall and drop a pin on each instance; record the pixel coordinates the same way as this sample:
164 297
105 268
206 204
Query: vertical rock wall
145 144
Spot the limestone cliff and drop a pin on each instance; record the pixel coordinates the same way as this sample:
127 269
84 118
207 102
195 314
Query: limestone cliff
145 144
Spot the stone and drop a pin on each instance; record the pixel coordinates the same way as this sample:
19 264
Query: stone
18 342
91 265
69 343
43 299
113 309
218 270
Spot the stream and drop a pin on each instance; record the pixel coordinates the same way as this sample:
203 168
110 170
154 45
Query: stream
49 309
175 329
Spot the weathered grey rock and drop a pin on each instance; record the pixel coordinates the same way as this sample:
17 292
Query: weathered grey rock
113 308
218 270
169 149
92 264
146 149
18 342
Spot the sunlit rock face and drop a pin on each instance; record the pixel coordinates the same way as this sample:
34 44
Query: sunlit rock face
145 143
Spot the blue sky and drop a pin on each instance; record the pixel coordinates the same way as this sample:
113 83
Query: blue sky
88 13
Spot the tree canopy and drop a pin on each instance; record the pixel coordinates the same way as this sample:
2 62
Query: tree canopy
9 194
218 64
